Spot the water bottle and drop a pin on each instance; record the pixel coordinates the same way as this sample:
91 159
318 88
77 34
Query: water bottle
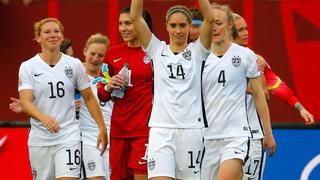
119 92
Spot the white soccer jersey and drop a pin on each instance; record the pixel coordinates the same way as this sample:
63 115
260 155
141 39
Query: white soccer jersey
88 126
224 90
254 119
53 93
177 85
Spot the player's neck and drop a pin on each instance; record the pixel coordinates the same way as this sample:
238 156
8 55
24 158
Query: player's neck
93 74
175 48
50 57
134 44
221 48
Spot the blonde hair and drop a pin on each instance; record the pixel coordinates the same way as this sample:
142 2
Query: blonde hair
226 9
38 25
97 38
179 9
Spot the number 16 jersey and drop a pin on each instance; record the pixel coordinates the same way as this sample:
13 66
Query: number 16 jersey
53 91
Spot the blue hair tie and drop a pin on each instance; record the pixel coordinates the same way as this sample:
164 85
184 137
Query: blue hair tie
196 22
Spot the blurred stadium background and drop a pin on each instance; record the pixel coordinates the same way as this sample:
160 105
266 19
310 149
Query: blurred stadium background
285 32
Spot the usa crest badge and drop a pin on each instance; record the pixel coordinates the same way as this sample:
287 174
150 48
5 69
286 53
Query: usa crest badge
68 71
151 164
91 165
236 61
187 55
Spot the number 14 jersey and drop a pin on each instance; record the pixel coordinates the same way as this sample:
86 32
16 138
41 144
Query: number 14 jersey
177 85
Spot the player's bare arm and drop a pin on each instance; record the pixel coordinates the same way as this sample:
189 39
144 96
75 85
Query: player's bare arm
96 113
263 111
26 97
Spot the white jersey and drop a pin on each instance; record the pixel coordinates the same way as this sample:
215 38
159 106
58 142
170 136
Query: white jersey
177 85
224 90
53 91
88 126
254 119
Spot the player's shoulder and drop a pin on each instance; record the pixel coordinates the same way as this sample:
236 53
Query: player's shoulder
70 60
244 51
31 62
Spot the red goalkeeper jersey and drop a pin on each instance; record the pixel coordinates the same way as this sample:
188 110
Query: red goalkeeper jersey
278 87
130 115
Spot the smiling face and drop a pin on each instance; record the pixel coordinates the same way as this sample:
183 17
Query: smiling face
94 55
178 27
242 28
126 28
50 36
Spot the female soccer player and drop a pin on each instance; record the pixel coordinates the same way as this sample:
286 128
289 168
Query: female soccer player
129 131
175 141
95 163
224 89
254 167
46 87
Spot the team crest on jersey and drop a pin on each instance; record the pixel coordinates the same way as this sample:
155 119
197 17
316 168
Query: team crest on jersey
91 165
146 59
34 174
187 55
151 164
68 71
236 61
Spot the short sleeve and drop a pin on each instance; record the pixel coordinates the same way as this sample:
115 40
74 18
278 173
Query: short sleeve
252 65
201 50
153 47
25 75
83 81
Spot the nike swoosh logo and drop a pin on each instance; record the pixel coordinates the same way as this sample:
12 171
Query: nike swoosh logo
3 140
196 171
163 54
71 169
35 75
236 152
142 162
116 60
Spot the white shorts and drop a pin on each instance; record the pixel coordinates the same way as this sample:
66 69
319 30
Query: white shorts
94 165
219 150
51 162
175 153
254 166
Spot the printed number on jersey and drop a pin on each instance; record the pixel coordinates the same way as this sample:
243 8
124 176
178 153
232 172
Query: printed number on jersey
56 89
222 78
176 72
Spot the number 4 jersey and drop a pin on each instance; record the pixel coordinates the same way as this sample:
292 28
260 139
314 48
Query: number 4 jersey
53 91
224 85
177 85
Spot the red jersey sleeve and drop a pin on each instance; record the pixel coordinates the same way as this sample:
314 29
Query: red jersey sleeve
278 87
102 94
